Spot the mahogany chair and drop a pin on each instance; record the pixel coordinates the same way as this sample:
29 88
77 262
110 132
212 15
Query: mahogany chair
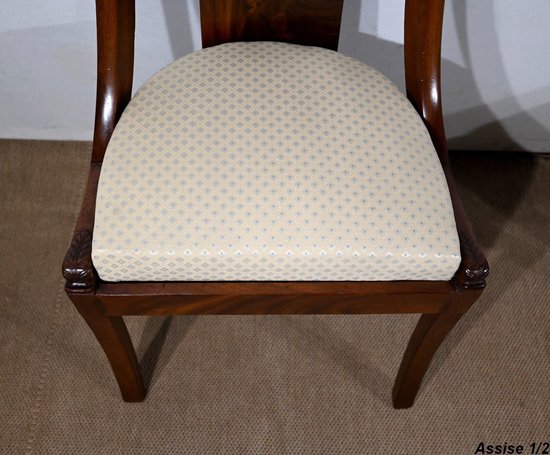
328 191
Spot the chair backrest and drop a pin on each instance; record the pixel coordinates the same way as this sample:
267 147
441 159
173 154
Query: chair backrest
308 22
314 23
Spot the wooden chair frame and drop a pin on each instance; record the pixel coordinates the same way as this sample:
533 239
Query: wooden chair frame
102 304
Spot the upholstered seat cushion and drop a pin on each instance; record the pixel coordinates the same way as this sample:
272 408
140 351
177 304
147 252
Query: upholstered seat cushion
270 161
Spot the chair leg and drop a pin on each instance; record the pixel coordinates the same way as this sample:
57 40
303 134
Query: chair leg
113 336
428 335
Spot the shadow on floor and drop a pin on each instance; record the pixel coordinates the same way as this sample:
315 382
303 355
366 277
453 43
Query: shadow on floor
500 193
154 346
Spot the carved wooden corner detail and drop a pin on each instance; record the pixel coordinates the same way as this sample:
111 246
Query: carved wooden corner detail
77 266
474 267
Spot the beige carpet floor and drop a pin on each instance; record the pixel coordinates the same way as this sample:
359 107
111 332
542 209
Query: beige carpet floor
271 385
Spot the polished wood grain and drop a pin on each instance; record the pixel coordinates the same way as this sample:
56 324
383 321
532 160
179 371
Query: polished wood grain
429 333
423 30
102 304
77 268
474 268
115 68
307 22
112 335
240 288
273 298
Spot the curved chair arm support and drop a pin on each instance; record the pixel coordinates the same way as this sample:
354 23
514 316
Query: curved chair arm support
77 266
115 68
423 30
474 267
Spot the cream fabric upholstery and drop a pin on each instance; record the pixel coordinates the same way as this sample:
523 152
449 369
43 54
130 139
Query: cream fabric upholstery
270 161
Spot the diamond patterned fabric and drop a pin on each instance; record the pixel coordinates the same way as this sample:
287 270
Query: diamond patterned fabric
269 161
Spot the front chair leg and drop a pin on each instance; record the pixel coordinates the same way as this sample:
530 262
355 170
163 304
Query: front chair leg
428 335
113 336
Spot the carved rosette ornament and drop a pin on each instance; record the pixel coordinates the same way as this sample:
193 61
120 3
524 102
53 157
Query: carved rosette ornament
77 266
473 269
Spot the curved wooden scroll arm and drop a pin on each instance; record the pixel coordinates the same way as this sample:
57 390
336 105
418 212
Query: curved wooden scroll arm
423 30
115 68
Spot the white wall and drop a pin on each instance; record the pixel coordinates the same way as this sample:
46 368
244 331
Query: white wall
496 63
